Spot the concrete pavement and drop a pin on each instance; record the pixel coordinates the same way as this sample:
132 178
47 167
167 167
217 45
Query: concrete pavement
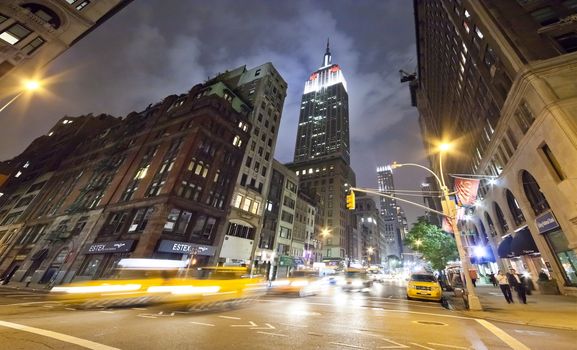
551 311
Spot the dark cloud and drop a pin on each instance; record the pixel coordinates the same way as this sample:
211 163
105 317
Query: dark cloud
156 48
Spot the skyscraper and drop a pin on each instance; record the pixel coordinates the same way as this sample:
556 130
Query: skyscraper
322 153
391 212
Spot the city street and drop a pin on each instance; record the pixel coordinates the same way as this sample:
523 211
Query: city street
381 319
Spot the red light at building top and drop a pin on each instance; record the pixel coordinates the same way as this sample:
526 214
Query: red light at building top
335 68
314 76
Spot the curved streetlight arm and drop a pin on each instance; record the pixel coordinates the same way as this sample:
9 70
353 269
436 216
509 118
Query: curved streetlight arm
397 165
399 199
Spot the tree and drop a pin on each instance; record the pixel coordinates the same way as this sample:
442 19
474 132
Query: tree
436 246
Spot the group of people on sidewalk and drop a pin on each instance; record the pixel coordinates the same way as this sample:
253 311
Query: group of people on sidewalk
511 279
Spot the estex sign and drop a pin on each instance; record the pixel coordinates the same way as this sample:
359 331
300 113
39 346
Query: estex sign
167 246
109 247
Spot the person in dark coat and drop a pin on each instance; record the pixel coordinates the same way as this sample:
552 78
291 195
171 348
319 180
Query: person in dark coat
518 283
493 280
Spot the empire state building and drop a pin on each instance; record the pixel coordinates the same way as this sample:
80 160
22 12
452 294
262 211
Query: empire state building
323 130
322 155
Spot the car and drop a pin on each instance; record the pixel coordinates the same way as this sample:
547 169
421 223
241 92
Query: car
357 280
301 283
156 281
424 286
376 275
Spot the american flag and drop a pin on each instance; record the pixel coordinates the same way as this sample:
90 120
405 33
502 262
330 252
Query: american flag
466 190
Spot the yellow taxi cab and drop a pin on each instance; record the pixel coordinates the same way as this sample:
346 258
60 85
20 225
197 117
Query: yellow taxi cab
207 287
424 286
301 283
356 280
128 286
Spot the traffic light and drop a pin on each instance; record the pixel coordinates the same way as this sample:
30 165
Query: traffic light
351 201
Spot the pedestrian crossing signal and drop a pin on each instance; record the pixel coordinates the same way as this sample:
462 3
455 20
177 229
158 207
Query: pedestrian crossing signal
351 201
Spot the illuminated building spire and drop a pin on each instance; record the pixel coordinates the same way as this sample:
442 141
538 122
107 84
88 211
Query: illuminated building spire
327 58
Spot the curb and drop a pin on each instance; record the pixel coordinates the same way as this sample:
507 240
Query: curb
520 323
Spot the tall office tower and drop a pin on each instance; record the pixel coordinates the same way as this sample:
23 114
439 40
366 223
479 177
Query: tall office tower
322 153
265 89
33 33
395 223
370 246
498 77
431 199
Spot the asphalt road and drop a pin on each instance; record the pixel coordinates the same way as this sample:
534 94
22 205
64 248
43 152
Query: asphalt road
381 319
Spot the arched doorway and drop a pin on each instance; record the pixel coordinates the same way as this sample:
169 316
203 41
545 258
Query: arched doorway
550 229
515 209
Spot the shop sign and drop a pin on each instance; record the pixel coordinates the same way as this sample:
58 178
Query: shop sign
546 222
110 247
167 246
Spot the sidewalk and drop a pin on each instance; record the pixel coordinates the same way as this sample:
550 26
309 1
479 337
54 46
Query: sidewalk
22 287
552 311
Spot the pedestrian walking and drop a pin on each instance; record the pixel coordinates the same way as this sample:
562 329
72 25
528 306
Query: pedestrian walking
518 283
503 281
493 280
28 279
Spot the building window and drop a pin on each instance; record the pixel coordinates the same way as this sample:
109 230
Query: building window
3 18
524 117
570 4
44 13
545 16
82 4
553 163
237 141
140 220
287 217
204 227
285 232
479 33
490 57
15 33
177 221
568 42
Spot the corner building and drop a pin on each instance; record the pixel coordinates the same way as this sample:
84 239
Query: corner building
500 76
322 154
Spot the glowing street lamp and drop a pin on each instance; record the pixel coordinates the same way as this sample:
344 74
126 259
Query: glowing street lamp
28 86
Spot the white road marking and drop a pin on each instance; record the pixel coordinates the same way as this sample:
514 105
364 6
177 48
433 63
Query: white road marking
202 324
70 309
58 336
268 326
277 334
139 308
293 325
106 312
422 346
347 345
315 334
394 346
506 338
230 317
146 316
252 324
449 346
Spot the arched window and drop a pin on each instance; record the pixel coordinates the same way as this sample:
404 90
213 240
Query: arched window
501 219
534 194
515 209
491 225
43 12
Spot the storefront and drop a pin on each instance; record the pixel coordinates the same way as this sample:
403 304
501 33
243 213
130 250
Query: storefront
101 258
566 258
197 253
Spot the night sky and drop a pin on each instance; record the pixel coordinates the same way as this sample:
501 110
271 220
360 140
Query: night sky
152 49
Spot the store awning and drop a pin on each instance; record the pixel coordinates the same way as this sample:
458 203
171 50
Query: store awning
523 243
40 255
504 250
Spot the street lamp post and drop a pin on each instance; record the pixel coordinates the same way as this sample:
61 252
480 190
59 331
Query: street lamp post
449 211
